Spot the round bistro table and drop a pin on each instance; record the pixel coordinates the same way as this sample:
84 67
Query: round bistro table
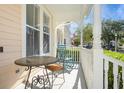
36 61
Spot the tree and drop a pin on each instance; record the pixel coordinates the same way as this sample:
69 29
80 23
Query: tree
107 34
110 28
87 34
76 38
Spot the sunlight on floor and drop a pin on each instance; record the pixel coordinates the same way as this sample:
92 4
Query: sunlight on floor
73 80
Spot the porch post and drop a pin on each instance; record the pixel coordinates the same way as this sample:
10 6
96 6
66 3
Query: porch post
81 38
97 50
63 34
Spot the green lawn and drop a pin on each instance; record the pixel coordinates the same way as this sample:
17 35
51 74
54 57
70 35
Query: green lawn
116 55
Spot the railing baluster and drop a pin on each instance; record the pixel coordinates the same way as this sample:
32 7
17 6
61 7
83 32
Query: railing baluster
77 55
74 55
115 72
106 73
71 51
123 76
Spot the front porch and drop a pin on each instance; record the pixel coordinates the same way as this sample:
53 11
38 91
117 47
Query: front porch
34 30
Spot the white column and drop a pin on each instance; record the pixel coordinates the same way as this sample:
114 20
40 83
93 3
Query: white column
81 29
106 73
41 31
63 35
123 76
81 39
56 39
97 50
67 36
115 72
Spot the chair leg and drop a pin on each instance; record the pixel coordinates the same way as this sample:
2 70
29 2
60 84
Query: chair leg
63 76
48 77
52 78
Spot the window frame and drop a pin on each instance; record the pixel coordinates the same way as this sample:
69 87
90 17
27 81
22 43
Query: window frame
33 27
46 33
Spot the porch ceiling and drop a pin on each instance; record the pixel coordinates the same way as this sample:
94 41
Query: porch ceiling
68 12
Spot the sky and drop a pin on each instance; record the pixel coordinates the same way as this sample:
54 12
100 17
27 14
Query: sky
108 11
113 11
73 27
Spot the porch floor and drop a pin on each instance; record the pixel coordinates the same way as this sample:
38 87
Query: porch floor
74 79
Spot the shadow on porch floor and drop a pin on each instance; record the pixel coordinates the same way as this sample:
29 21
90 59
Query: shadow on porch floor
74 79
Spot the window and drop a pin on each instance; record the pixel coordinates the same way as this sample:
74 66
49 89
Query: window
33 16
46 36
32 29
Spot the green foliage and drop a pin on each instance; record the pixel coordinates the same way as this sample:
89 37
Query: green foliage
87 34
110 76
115 55
110 28
76 39
121 41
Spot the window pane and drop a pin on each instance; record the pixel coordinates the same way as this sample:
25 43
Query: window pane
45 43
37 17
29 42
36 42
29 14
32 42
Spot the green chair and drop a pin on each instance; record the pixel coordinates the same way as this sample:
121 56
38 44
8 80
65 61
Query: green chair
59 66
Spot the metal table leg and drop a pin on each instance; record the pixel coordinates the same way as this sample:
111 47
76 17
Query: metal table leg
48 77
27 81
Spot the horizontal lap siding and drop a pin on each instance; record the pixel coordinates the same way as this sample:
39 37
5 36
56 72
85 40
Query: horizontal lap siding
11 40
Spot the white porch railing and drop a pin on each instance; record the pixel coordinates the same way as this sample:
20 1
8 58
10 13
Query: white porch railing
73 53
113 70
116 64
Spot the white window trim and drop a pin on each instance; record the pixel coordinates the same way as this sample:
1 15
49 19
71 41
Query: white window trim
32 26
47 33
42 9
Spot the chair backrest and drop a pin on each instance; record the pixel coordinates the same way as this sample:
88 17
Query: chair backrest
61 52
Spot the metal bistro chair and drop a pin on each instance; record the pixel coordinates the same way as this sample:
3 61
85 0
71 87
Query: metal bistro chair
59 66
